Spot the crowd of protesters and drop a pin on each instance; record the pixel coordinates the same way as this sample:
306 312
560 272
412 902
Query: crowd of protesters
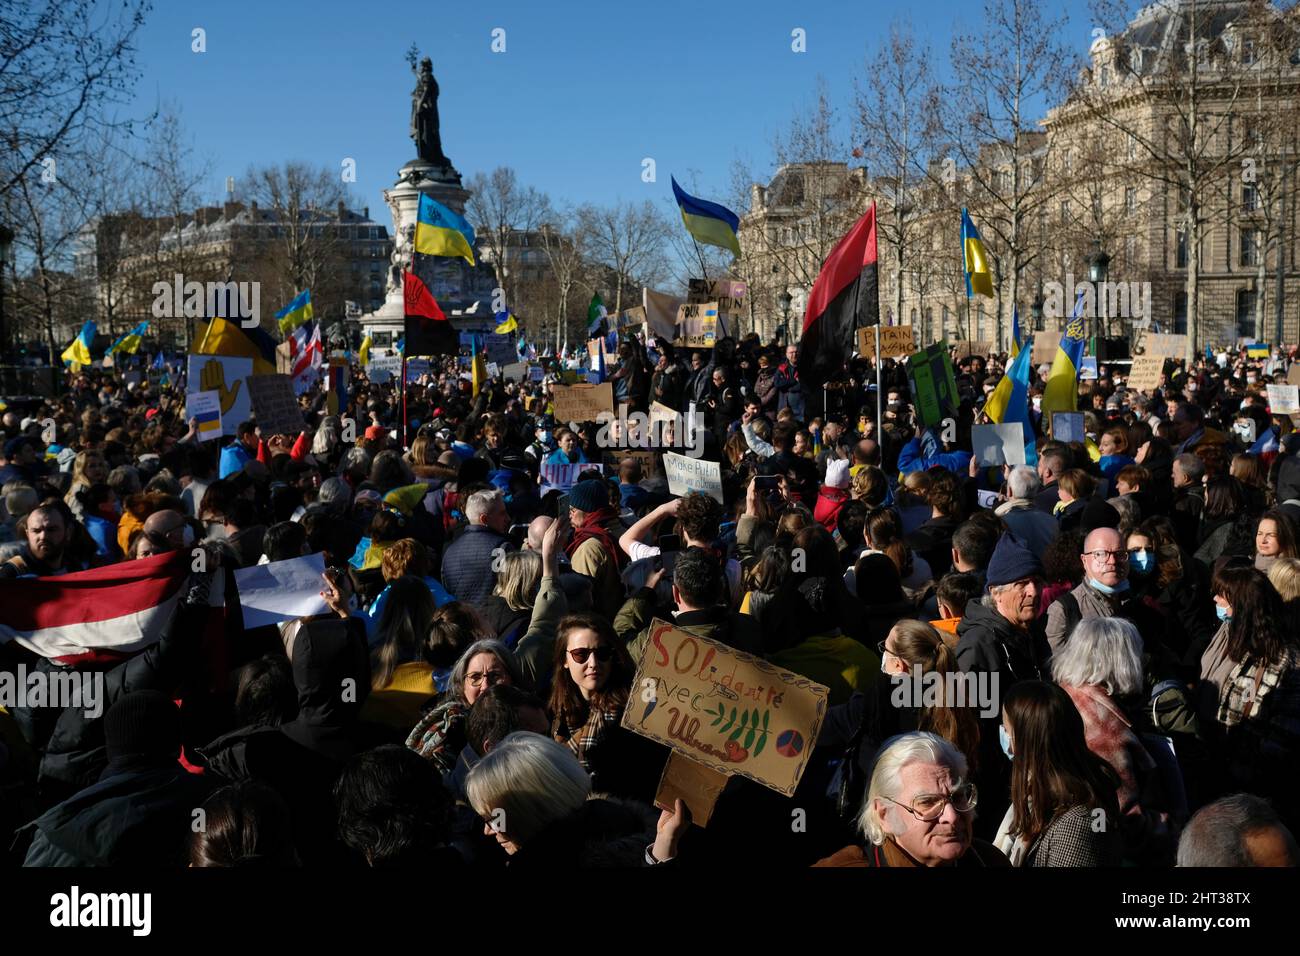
1128 602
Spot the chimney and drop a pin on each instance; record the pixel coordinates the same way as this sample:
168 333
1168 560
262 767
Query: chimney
366 212
253 208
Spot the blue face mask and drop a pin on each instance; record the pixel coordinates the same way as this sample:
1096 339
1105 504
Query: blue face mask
1005 741
1224 613
1106 588
1141 562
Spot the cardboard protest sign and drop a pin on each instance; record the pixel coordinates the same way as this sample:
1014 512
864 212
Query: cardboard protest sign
583 403
564 477
648 460
697 325
1145 374
206 408
1283 400
1068 427
631 318
727 710
228 376
275 405
980 347
687 474
999 444
895 341
1293 374
1167 346
500 348
934 388
727 295
384 369
1045 346
284 360
515 372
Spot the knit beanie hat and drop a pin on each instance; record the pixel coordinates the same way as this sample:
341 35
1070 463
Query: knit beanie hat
589 495
837 473
1012 561
143 723
1099 514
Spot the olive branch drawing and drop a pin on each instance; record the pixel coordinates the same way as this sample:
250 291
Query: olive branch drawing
751 724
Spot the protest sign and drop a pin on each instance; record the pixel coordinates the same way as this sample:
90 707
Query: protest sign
1293 374
564 477
284 360
730 711
515 372
206 408
999 444
934 389
648 460
693 474
1088 370
1145 374
659 412
1045 346
583 403
275 405
227 375
536 373
281 590
1283 400
1068 427
697 325
1166 346
967 348
384 369
895 341
500 348
631 318
418 366
493 369
727 295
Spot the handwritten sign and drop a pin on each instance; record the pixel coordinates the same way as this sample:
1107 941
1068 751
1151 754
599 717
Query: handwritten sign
1145 374
564 477
1068 427
583 403
1283 400
687 474
1045 346
727 710
1166 346
631 318
648 460
895 341
999 444
515 372
980 347
275 405
934 388
728 296
206 408
227 375
697 325
384 369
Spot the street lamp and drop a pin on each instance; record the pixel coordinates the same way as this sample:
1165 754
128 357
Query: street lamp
1037 311
785 298
1098 272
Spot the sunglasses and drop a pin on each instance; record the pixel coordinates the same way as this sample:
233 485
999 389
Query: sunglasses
604 654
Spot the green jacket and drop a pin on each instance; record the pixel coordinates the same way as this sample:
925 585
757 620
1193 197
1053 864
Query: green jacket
739 631
536 649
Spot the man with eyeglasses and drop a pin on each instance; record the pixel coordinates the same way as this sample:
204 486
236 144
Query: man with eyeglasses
919 810
1104 591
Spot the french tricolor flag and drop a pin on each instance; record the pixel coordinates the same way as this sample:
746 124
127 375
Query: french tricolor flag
113 611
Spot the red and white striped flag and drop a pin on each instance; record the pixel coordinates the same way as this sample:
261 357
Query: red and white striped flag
308 359
113 611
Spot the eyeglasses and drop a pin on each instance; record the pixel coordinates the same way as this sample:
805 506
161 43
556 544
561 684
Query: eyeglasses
882 650
477 678
928 807
1099 556
604 653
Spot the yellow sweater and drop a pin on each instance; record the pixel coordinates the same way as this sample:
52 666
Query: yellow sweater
839 662
397 704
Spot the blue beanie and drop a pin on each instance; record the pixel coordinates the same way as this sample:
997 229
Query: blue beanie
589 495
1012 561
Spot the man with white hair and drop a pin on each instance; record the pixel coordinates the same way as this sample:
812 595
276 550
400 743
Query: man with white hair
1035 528
919 810
470 563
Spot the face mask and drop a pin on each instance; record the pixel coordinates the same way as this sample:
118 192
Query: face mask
1224 613
1141 563
1106 588
883 668
1005 741
1038 403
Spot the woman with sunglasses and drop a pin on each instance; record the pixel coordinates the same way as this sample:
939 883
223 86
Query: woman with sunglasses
1064 810
592 681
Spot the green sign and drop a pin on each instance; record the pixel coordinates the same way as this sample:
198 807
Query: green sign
934 389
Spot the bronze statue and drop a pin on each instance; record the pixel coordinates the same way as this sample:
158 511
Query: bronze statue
424 115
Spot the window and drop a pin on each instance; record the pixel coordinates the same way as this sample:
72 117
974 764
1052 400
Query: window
1248 52
1249 197
1246 315
1130 200
1180 313
1250 247
1180 250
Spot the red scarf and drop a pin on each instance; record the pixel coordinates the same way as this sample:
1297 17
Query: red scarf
593 527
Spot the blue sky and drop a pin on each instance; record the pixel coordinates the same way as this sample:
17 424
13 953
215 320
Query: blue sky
583 92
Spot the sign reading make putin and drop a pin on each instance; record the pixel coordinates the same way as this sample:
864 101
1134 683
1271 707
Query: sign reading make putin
730 711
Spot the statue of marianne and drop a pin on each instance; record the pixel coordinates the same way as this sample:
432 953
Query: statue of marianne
424 115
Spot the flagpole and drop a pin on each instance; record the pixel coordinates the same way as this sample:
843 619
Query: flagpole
880 418
699 252
403 399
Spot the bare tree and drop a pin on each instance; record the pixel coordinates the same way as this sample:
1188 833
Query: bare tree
501 210
62 67
564 243
628 240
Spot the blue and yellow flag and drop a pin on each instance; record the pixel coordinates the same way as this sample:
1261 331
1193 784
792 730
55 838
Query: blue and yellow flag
296 312
708 222
1010 401
478 369
508 323
975 259
129 343
364 352
1062 391
1016 342
78 353
441 232
222 337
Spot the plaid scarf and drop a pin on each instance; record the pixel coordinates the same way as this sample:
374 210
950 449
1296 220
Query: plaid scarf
599 726
593 526
1248 685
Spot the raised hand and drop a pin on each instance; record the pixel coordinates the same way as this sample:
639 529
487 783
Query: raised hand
212 377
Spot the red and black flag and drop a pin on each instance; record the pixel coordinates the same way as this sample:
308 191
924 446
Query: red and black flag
428 330
845 297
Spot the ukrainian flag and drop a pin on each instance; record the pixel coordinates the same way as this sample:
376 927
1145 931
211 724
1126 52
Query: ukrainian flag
364 352
1016 343
1257 350
441 232
708 222
296 312
78 353
478 370
1062 391
1010 401
976 259
508 323
222 337
129 343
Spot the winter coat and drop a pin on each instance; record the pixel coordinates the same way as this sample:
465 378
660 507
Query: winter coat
603 832
933 541
535 650
1036 529
988 642
633 622
981 854
467 564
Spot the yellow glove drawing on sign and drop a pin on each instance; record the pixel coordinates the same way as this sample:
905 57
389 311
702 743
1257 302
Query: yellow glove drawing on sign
213 378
